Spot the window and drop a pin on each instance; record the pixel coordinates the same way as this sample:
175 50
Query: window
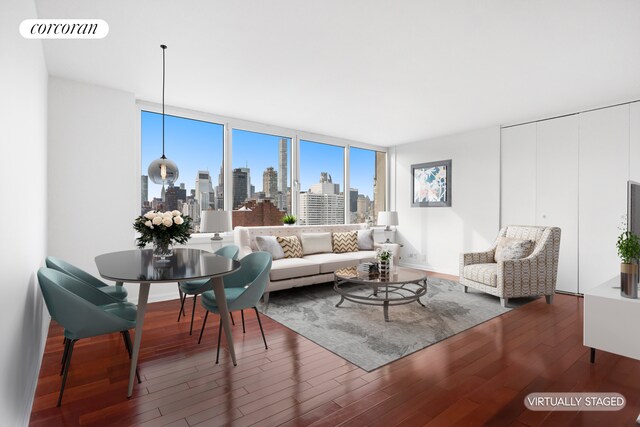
196 147
367 179
321 198
261 178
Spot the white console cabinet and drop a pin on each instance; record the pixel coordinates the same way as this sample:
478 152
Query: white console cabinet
611 320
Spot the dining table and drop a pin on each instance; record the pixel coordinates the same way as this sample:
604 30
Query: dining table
140 266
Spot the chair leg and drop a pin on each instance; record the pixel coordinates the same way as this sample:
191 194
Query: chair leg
219 336
549 298
66 370
504 302
183 298
232 321
127 343
65 354
193 313
261 330
265 297
242 314
466 289
203 323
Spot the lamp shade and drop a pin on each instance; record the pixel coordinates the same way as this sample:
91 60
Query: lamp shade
388 218
215 221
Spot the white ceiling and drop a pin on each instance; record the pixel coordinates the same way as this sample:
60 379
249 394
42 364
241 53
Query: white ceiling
378 71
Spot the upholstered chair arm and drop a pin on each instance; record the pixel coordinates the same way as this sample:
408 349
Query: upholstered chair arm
476 258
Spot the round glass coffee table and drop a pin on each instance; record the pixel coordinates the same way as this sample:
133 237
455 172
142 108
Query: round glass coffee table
402 286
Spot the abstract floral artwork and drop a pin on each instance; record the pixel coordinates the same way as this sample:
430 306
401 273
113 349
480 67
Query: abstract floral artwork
431 184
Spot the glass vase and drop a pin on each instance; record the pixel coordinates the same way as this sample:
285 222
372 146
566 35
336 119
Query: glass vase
162 250
384 267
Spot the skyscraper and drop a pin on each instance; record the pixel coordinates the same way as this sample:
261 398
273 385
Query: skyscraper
248 172
270 183
204 192
322 204
282 166
239 187
144 188
353 200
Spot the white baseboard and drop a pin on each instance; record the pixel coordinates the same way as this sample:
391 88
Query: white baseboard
427 268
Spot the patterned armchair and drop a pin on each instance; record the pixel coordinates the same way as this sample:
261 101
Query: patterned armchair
530 276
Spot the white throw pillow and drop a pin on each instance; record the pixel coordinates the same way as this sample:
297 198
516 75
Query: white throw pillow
270 244
510 248
365 240
316 243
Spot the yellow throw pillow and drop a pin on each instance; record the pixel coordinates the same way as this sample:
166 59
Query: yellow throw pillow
345 242
291 246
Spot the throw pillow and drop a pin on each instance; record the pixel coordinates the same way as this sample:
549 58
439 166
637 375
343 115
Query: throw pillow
270 244
314 243
512 248
290 246
365 240
345 242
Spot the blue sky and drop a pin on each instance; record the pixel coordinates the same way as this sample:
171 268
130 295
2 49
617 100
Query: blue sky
196 145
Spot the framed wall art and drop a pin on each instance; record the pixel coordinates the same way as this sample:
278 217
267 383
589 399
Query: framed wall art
431 184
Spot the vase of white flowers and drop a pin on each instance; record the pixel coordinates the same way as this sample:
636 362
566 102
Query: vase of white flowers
384 261
163 230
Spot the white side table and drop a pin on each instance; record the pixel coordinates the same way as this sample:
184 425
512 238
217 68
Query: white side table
610 319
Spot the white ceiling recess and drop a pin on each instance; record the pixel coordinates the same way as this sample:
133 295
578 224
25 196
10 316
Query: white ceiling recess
378 71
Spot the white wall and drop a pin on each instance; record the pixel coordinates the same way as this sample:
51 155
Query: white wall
94 158
437 235
23 151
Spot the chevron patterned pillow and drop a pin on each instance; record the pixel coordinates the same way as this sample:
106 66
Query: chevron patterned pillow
291 246
345 242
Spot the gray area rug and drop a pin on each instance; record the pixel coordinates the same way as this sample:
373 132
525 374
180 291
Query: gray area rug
359 334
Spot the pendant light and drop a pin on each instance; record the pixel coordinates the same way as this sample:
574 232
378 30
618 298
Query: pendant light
163 171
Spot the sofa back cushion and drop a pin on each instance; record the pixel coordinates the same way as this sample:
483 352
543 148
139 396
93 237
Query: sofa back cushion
512 248
270 244
345 242
316 243
365 240
290 246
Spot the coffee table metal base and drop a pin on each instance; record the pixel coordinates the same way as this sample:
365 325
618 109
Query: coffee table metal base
384 295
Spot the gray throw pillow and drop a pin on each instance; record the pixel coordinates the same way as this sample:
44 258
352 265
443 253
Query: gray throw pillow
270 244
509 248
365 240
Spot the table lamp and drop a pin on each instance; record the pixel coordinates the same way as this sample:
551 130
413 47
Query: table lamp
215 222
388 218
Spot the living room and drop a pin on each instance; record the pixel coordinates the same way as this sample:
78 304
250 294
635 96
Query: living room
535 105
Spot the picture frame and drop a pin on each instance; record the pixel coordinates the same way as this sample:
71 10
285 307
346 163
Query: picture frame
431 184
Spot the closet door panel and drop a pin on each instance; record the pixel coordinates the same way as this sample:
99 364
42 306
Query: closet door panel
518 175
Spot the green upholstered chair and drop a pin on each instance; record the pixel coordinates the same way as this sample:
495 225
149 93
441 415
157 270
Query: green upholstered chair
196 287
118 292
243 289
83 311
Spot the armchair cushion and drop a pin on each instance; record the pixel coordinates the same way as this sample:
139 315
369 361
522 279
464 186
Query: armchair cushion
509 248
486 274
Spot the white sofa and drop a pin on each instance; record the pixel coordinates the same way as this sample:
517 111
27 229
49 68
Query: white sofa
310 269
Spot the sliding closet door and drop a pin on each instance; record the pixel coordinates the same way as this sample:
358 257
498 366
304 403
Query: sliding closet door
518 175
557 191
634 140
604 171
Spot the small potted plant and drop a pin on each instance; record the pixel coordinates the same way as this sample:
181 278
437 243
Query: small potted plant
384 261
628 245
289 219
163 229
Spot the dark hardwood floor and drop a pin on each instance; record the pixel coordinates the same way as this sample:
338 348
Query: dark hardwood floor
478 377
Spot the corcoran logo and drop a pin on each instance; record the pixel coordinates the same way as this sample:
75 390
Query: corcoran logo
64 28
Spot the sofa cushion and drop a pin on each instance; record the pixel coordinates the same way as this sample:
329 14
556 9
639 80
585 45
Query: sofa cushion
513 248
331 262
345 242
314 243
486 274
291 246
287 268
362 256
270 244
365 240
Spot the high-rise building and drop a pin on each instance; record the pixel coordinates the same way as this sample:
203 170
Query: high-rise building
144 188
204 191
325 186
353 200
239 187
270 183
248 172
174 197
379 184
282 166
364 208
322 204
219 190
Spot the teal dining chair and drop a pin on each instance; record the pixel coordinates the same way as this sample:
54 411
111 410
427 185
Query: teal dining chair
83 311
243 289
118 292
196 287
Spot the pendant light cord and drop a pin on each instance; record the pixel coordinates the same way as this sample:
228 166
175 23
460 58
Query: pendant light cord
164 47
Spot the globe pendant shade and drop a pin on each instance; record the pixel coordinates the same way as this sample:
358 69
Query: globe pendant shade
163 171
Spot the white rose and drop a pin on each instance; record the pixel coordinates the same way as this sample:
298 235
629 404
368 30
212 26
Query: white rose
149 224
167 215
157 220
150 215
167 222
178 220
176 213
